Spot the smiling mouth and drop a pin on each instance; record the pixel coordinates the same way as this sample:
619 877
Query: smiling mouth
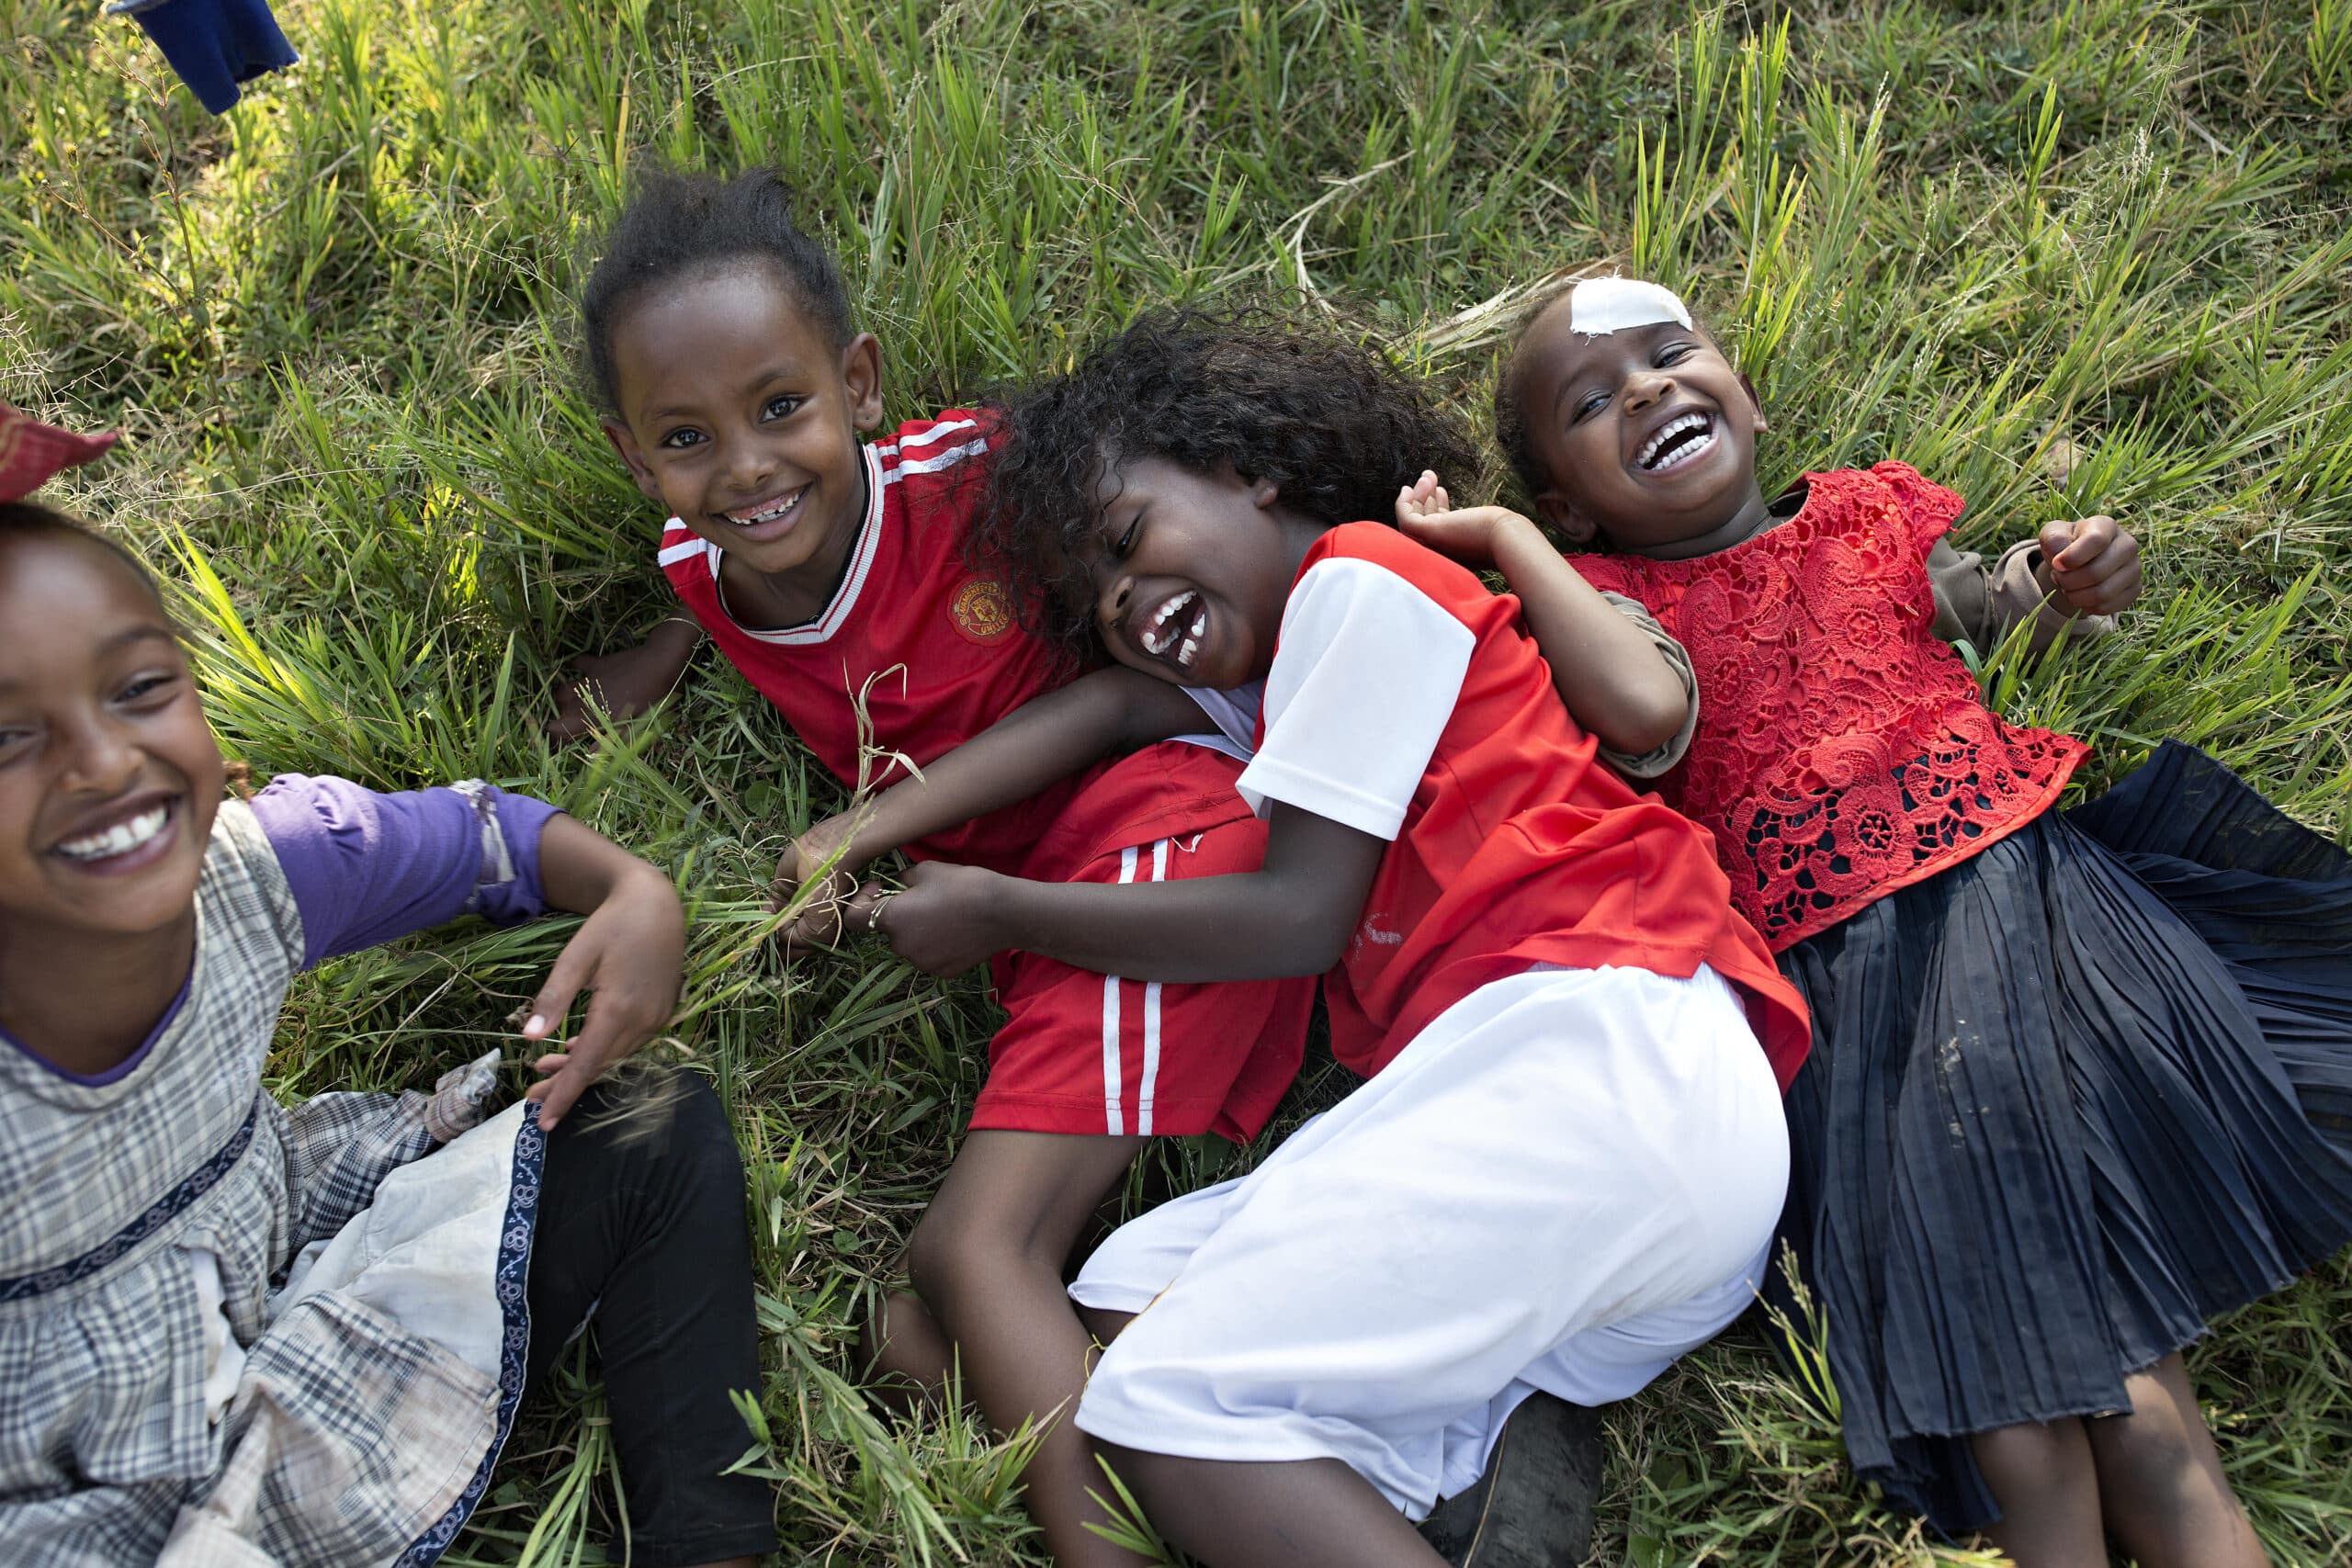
765 512
123 838
1678 440
1174 631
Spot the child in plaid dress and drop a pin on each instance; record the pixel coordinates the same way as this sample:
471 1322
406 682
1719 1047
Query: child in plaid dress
233 1333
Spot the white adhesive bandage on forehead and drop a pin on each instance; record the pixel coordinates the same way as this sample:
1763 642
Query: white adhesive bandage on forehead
1600 306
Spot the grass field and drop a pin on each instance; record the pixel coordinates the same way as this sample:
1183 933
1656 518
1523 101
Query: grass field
2065 257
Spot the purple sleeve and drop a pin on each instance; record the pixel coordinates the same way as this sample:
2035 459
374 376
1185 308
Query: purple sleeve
365 868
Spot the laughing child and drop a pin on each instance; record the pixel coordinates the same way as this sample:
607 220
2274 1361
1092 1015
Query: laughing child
2081 1081
236 1332
1564 1165
832 574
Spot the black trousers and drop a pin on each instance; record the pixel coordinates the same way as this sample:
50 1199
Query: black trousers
641 1219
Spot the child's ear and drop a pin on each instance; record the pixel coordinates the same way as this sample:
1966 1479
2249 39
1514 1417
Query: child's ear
861 374
631 454
1264 493
1561 516
1753 400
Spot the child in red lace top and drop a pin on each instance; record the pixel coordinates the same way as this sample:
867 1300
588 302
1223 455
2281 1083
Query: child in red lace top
2078 1079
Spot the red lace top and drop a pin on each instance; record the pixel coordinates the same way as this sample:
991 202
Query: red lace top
1842 750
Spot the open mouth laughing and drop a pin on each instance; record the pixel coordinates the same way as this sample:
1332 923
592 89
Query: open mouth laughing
1680 440
1173 629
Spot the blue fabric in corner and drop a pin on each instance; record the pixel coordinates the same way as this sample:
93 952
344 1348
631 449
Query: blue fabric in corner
214 44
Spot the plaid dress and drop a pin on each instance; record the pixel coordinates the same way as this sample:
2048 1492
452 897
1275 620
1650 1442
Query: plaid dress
233 1333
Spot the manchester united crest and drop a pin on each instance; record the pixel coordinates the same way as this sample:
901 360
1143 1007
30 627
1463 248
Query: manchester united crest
982 610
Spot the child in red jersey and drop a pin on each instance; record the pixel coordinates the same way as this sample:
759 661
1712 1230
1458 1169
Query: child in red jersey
831 574
1563 1168
2080 1080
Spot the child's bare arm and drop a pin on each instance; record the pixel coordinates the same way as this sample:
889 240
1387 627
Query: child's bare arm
1609 672
625 684
1292 917
1099 714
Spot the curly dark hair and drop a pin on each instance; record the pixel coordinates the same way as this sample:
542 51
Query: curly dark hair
1335 426
679 223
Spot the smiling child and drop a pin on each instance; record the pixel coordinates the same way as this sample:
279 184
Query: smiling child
233 1331
2080 1079
1562 1170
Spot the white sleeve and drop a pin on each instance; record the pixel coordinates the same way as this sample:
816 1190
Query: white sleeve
1365 676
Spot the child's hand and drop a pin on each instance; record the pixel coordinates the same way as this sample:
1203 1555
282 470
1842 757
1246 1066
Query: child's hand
943 923
2093 564
820 921
1426 512
623 684
631 953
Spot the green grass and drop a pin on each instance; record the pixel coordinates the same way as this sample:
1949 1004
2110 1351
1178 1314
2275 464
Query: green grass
334 324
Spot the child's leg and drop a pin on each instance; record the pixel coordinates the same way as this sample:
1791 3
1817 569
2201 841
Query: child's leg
1536 1192
2160 1480
908 1354
986 1261
1313 1513
642 1218
2042 1475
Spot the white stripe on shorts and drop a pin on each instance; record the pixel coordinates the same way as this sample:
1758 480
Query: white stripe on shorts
1114 1118
1151 1017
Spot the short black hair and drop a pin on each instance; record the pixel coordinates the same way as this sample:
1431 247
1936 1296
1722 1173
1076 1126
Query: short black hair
679 223
30 519
1334 424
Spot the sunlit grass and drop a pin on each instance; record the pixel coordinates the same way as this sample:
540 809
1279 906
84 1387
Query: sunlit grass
2064 257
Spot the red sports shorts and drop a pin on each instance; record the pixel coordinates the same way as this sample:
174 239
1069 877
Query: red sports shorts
1089 1053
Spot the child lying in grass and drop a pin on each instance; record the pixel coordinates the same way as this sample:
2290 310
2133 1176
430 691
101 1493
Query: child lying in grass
1563 1168
832 574
232 1332
2082 1082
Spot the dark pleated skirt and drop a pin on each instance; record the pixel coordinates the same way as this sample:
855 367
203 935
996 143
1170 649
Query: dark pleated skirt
2066 1101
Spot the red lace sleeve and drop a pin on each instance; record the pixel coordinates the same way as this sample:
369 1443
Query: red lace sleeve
1930 509
1601 573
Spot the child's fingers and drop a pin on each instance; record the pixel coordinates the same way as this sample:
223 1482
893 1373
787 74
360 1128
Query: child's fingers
860 911
567 1080
2104 589
565 976
2055 536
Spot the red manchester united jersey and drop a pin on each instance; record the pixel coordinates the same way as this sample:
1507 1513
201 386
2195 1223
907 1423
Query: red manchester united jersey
925 650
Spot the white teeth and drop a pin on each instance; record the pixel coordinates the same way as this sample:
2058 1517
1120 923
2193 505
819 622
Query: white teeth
1647 457
1157 636
120 838
767 514
1184 654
